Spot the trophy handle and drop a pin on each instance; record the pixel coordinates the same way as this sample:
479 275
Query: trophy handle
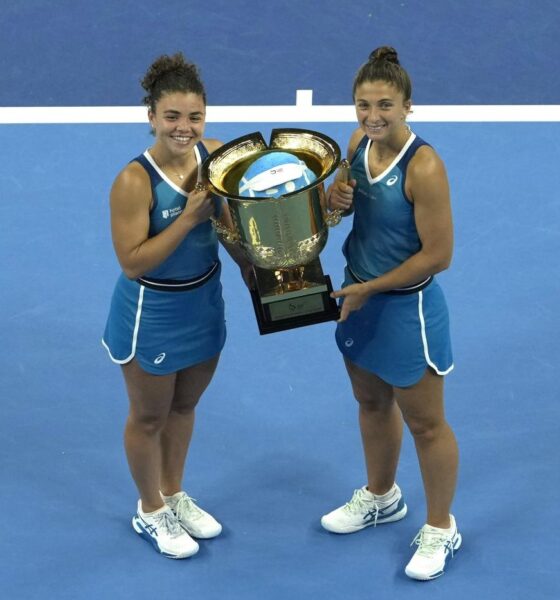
230 236
334 217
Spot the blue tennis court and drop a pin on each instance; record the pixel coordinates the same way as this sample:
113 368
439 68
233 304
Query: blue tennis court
276 443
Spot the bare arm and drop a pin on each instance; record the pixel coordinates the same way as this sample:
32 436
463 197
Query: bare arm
428 188
130 221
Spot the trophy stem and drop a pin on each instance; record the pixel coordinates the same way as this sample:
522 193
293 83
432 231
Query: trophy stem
290 280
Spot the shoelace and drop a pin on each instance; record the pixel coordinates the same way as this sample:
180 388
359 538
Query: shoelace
187 509
359 504
429 542
168 522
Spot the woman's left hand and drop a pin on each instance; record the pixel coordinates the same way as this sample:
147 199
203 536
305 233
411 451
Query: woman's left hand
354 297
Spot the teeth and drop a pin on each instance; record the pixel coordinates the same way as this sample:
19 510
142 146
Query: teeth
181 139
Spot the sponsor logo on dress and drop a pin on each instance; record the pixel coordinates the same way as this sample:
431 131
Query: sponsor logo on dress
392 180
159 358
349 342
169 213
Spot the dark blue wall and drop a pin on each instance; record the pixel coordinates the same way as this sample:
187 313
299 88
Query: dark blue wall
78 52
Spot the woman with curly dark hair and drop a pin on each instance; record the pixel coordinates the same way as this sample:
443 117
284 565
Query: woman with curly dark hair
166 324
394 326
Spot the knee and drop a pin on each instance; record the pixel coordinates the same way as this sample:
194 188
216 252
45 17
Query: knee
424 430
373 405
148 424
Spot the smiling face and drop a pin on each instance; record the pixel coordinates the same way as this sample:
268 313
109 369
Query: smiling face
178 121
381 109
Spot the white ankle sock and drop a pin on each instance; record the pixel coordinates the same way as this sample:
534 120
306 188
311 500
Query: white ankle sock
449 530
173 498
385 498
154 512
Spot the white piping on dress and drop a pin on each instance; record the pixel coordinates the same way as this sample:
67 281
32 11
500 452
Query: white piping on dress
371 179
179 190
134 335
425 339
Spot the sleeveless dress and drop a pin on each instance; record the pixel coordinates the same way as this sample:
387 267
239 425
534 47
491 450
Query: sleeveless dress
398 334
173 316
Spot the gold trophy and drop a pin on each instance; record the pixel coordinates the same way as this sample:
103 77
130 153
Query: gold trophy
283 236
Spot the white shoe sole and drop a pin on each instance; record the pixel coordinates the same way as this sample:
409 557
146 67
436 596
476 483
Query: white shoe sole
353 528
430 576
143 534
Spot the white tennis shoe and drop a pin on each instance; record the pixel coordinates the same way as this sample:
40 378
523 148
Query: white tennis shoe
364 510
192 518
162 529
435 548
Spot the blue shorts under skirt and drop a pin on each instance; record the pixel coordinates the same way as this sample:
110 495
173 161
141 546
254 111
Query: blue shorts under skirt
165 331
396 337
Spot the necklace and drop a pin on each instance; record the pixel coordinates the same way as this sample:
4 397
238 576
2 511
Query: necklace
180 176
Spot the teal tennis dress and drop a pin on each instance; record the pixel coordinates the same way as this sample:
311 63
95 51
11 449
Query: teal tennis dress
398 334
172 317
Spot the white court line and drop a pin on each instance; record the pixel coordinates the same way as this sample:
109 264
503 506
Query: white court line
302 112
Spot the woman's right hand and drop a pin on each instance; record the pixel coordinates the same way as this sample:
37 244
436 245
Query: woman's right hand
200 206
341 195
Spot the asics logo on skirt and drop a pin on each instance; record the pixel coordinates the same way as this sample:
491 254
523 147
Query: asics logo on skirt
159 358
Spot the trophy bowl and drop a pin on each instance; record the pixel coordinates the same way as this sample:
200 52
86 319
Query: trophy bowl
282 237
276 233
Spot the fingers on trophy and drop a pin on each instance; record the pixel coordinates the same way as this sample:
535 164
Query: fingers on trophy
344 175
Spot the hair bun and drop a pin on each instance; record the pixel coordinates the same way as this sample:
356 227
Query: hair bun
386 53
171 73
167 65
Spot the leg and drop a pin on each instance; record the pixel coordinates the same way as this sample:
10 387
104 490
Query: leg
150 399
380 427
176 435
423 412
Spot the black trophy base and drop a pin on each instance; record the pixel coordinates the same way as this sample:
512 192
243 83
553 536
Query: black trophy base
292 309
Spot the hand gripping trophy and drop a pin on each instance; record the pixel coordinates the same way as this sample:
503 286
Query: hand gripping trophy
277 201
